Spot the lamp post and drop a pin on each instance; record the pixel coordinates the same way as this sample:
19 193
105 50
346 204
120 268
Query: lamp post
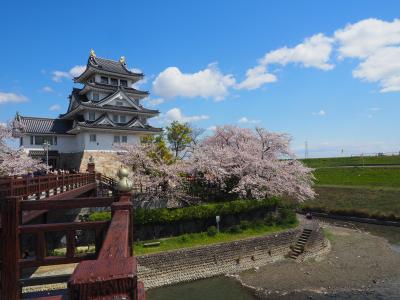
46 146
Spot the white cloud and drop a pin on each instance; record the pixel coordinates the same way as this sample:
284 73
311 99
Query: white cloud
376 44
12 98
137 85
314 52
207 83
212 128
365 37
136 70
175 114
256 77
55 107
245 120
75 71
383 66
154 102
320 113
47 89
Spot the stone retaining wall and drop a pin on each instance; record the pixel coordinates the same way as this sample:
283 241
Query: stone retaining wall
201 262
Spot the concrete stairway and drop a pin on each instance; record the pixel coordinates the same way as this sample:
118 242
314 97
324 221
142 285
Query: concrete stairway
300 244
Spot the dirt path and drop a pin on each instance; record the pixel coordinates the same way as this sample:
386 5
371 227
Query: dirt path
357 261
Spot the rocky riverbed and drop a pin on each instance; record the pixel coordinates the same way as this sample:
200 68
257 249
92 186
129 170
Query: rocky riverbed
359 264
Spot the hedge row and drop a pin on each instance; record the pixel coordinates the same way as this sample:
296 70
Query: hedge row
352 212
204 211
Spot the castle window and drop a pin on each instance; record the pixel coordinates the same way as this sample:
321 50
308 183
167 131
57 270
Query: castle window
96 96
123 82
122 119
55 140
124 139
104 79
114 81
31 139
116 139
40 140
21 141
92 116
119 103
115 118
92 138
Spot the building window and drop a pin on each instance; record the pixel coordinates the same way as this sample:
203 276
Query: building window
122 119
92 116
21 141
96 97
119 103
31 139
104 79
92 138
55 140
124 139
40 140
123 82
115 118
116 139
114 81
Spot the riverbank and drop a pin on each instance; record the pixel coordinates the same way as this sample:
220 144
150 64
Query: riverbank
357 261
185 265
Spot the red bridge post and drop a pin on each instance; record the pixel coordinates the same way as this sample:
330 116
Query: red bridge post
10 248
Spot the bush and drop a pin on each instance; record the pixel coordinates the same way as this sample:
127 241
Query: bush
287 216
205 211
245 225
212 231
270 220
235 229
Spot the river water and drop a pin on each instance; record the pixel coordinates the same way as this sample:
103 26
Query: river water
226 288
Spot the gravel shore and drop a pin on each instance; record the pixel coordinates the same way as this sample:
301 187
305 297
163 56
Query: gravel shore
357 261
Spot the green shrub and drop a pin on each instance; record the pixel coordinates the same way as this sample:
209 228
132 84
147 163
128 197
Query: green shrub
270 220
235 229
245 225
212 231
287 216
163 215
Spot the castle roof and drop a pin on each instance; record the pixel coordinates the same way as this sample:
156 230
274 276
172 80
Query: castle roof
45 125
107 66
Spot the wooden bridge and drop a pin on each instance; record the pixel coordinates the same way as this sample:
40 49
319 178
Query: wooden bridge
109 273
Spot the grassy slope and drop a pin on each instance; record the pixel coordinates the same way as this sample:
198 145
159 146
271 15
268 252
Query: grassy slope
371 201
351 161
201 239
373 176
369 191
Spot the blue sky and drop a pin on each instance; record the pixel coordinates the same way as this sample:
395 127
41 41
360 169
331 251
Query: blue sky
328 74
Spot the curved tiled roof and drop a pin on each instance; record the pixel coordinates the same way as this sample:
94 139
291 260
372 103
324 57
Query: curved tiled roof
115 88
45 125
112 66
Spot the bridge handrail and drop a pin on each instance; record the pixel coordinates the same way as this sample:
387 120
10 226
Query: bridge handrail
26 186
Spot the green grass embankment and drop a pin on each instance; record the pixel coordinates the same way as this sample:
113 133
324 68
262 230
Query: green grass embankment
351 161
202 238
368 176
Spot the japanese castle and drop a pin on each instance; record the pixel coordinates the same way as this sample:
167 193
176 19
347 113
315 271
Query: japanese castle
104 111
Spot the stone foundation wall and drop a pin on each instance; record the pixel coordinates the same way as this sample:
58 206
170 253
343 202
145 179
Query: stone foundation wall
201 262
106 163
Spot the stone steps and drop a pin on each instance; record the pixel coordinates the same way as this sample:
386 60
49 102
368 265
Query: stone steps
300 244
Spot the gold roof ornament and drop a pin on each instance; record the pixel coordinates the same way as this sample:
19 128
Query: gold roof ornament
91 159
122 60
124 184
92 53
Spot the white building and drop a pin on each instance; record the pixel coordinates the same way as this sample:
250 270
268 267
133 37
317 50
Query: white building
105 111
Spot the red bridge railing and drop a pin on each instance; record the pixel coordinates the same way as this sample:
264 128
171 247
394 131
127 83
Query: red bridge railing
109 273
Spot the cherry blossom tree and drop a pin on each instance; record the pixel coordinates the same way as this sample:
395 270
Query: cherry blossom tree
252 164
15 162
155 171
